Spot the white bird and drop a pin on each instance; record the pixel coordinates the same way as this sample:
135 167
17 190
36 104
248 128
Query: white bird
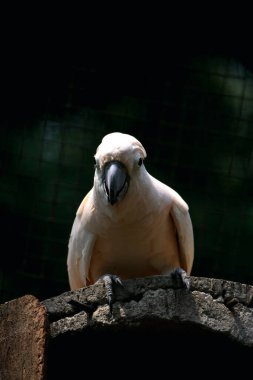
129 224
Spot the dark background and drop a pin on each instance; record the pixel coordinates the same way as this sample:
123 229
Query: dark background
192 108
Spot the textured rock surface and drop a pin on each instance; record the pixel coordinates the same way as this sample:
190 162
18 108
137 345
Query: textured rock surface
155 324
22 339
158 303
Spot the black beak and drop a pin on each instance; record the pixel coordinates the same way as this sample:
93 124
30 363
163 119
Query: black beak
116 181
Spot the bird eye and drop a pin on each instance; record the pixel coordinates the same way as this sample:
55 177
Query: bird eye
140 161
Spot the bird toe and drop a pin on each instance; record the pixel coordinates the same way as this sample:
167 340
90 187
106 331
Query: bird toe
181 275
110 280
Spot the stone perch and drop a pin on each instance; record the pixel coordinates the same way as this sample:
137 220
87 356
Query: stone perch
148 313
212 305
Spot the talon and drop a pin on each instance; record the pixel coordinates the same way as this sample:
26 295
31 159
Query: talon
182 275
109 280
118 281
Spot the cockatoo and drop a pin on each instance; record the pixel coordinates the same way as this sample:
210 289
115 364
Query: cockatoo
129 224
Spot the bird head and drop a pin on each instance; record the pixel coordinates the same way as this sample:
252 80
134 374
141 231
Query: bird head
118 160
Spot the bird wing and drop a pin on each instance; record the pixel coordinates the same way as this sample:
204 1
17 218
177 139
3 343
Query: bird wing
182 221
180 216
81 245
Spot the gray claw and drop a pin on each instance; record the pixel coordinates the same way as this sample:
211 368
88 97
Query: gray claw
117 280
109 280
182 275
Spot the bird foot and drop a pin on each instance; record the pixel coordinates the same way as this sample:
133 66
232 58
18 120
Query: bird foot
182 276
110 280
